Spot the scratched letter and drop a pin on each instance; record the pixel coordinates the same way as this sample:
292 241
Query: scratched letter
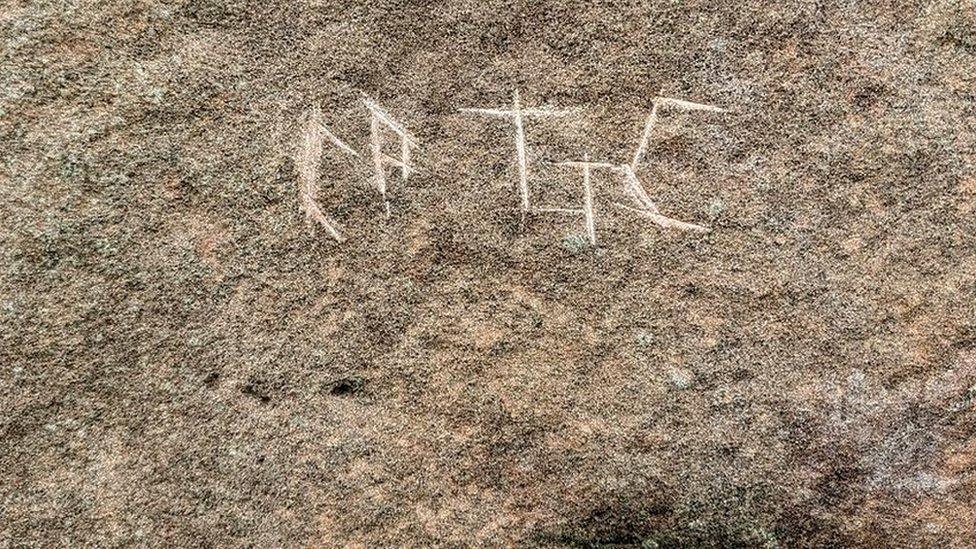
517 115
307 161
380 119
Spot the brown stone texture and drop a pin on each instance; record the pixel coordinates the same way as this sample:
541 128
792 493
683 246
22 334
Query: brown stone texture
185 361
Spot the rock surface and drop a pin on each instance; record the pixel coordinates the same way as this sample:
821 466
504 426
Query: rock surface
186 361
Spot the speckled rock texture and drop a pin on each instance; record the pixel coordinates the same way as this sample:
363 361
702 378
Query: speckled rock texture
185 361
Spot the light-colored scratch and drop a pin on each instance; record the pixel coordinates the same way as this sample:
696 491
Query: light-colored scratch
657 103
664 221
307 161
520 152
517 114
535 112
336 141
588 212
315 213
686 105
398 163
588 201
634 188
560 210
648 208
645 137
579 164
379 118
379 169
388 120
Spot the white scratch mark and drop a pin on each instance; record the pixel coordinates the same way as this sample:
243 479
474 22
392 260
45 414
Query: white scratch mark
634 188
589 215
559 210
579 164
379 169
517 114
588 201
536 112
388 120
307 161
658 102
380 118
520 152
645 137
664 221
336 141
686 105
